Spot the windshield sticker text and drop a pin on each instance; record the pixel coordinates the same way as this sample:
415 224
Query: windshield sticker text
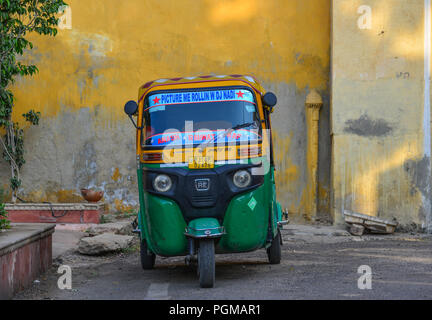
200 96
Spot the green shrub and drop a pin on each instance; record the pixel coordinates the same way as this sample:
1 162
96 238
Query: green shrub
4 222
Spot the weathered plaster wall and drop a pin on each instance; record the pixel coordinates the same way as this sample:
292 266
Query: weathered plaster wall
381 154
89 71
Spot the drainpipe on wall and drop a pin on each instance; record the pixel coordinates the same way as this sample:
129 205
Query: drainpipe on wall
314 104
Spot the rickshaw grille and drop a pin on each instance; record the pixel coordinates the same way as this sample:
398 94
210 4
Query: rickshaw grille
199 200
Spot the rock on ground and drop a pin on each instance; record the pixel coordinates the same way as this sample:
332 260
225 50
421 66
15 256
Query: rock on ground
357 229
104 243
121 227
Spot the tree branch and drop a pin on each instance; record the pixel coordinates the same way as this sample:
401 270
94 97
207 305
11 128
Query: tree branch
9 155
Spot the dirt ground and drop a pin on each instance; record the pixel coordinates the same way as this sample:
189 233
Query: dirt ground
317 263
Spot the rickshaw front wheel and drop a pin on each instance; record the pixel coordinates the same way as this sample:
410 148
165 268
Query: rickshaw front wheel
274 251
206 263
147 258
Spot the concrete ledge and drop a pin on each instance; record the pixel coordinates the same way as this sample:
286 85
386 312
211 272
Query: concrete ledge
55 206
25 253
55 213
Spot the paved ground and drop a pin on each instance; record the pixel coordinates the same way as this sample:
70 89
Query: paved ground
64 238
318 263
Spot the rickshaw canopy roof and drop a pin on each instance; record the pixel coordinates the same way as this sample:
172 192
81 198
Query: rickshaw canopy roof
201 81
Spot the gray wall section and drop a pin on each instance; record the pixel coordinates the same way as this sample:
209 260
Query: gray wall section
76 150
289 119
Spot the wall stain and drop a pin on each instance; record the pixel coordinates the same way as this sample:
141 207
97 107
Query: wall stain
416 170
366 127
419 181
116 175
85 166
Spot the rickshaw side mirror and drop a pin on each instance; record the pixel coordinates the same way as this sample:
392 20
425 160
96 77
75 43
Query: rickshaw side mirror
269 99
130 108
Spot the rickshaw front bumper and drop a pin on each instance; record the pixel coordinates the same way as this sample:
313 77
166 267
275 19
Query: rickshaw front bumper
204 228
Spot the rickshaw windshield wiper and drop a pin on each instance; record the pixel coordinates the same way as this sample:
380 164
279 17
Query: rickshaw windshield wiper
226 132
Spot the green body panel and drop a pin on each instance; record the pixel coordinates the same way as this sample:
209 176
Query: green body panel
204 227
246 220
274 204
142 221
246 225
165 225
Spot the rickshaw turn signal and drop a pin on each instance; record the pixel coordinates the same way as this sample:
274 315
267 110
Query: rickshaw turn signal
153 156
250 152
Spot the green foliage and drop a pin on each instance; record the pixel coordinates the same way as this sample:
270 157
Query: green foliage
126 214
103 219
4 222
32 117
18 19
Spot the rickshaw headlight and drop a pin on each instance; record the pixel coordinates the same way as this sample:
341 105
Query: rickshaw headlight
162 183
242 179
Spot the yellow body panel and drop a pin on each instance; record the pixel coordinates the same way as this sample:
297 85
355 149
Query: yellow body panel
183 155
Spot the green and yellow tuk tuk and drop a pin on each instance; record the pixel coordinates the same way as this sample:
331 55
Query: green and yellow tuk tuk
205 170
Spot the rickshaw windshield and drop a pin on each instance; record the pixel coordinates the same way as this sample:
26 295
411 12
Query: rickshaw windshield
196 117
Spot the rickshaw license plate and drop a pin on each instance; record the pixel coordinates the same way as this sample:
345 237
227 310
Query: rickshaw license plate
201 163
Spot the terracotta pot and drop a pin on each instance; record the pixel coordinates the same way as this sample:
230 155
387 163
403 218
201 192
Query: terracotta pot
92 195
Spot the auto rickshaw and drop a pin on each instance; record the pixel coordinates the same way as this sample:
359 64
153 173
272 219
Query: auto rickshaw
205 170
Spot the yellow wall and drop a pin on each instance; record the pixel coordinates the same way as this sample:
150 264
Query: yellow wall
114 47
381 162
89 71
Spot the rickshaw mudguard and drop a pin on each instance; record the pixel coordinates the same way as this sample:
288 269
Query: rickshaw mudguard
142 224
166 232
204 228
246 222
162 224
